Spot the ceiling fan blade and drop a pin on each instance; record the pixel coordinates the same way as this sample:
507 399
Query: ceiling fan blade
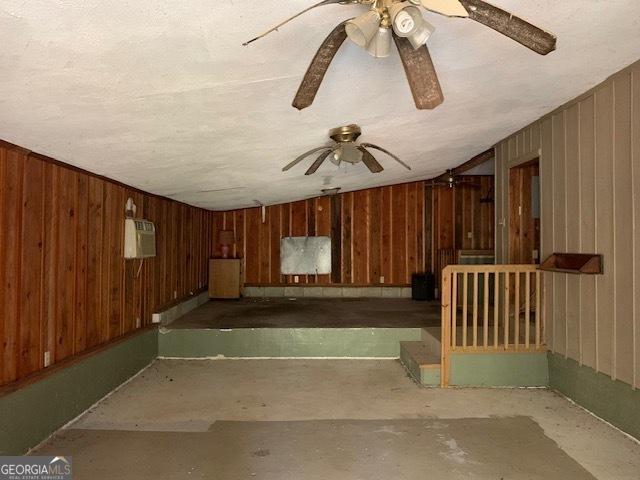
315 165
318 67
319 4
370 161
303 156
376 147
421 74
450 8
513 27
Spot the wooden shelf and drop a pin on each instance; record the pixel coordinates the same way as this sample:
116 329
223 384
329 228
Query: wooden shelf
576 263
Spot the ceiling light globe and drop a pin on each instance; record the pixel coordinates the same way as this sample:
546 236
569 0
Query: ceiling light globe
380 45
362 29
403 24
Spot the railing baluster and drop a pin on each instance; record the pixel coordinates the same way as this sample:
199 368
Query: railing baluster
538 312
516 312
507 280
496 309
475 310
465 301
454 310
485 315
527 308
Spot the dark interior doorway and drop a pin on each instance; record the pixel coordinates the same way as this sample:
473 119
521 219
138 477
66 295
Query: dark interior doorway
524 213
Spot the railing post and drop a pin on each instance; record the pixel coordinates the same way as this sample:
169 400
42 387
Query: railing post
445 298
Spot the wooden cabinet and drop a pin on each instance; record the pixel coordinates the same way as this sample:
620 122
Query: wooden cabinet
225 277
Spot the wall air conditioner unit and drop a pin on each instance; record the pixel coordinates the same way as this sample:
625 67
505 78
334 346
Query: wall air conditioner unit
139 238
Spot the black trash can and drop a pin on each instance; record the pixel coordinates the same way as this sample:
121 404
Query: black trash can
423 286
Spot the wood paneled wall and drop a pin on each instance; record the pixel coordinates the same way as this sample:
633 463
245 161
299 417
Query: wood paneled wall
64 285
462 218
589 155
379 232
389 232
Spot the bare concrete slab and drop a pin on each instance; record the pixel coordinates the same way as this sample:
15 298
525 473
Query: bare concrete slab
342 419
312 313
486 448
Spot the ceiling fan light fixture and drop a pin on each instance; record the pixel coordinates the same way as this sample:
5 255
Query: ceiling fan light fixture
362 29
408 22
380 44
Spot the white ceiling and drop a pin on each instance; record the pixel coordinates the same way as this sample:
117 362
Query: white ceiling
161 95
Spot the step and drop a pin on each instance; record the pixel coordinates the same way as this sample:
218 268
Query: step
284 342
422 363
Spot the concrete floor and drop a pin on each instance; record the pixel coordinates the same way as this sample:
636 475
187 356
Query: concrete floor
312 313
339 419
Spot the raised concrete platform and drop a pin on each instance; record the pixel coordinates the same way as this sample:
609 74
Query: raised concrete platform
284 342
295 312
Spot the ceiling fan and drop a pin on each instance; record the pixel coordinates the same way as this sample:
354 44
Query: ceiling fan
345 149
402 21
451 180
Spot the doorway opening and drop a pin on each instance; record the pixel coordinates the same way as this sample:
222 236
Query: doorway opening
524 213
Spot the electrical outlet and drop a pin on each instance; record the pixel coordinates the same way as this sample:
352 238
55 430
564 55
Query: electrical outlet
156 317
175 294
469 235
381 278
138 322
47 358
296 279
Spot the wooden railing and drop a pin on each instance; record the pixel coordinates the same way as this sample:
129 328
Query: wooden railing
490 308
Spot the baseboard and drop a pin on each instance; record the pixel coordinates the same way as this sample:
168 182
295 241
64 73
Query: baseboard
179 309
524 369
31 414
316 291
612 400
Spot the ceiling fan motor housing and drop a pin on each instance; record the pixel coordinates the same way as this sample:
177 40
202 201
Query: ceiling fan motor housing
348 133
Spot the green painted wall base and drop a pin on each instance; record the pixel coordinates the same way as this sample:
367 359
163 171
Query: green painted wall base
31 414
499 370
612 400
285 342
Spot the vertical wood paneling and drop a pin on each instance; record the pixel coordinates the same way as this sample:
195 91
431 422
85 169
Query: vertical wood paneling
323 227
252 246
559 231
82 211
386 240
377 234
12 177
587 231
66 263
547 223
275 213
590 195
31 274
573 214
623 235
635 164
65 286
347 238
361 215
605 287
399 237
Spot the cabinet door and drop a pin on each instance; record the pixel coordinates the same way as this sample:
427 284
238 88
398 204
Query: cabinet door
224 278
